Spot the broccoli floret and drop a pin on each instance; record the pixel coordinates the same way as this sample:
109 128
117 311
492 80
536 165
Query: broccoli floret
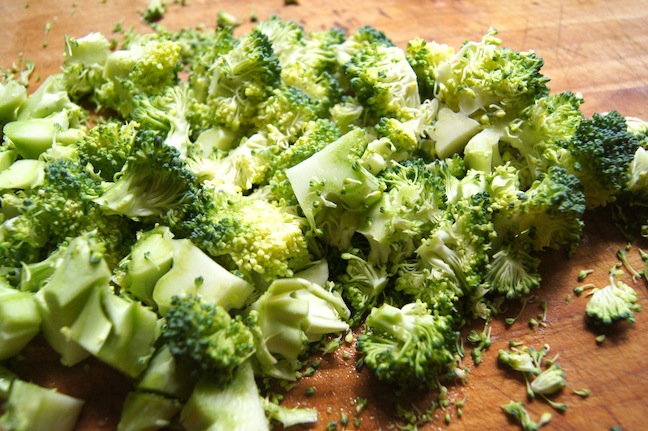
514 271
34 408
425 57
234 406
410 347
106 147
19 320
147 66
518 411
288 109
292 313
241 79
488 81
154 185
384 82
84 60
12 96
361 38
317 135
615 302
411 205
600 154
62 208
147 410
208 336
155 10
547 215
249 234
333 179
168 113
287 37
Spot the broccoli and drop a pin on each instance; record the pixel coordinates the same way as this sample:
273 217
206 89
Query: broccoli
411 347
332 178
291 314
84 60
488 81
206 335
425 57
615 302
155 10
146 66
19 320
147 410
168 113
154 185
248 234
61 208
234 406
106 148
518 411
241 79
383 81
12 96
600 154
30 407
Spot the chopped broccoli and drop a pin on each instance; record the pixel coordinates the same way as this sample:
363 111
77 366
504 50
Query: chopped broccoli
292 313
30 407
19 320
600 154
615 302
409 347
206 335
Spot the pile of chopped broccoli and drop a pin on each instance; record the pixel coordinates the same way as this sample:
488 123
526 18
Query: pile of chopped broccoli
198 209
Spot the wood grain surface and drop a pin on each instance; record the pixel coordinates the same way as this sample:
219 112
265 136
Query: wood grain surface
598 48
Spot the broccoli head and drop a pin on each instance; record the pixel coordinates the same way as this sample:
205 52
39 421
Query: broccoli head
410 347
207 335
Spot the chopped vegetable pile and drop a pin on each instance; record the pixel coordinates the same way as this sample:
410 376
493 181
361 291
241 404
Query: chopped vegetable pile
201 211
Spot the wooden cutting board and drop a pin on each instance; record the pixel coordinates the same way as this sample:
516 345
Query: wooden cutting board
598 48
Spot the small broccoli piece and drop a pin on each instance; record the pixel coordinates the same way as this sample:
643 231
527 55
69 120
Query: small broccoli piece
290 110
50 99
384 82
206 335
292 313
153 186
61 208
425 57
12 96
451 132
242 167
19 320
549 381
548 214
23 174
106 147
147 411
118 331
166 376
147 66
600 154
361 38
241 79
411 205
155 10
317 135
62 299
333 178
249 234
168 113
234 406
33 136
287 37
34 408
517 410
411 347
487 81
514 271
289 417
615 302
536 137
84 60
192 272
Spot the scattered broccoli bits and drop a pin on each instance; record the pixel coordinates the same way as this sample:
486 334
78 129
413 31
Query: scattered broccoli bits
245 200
